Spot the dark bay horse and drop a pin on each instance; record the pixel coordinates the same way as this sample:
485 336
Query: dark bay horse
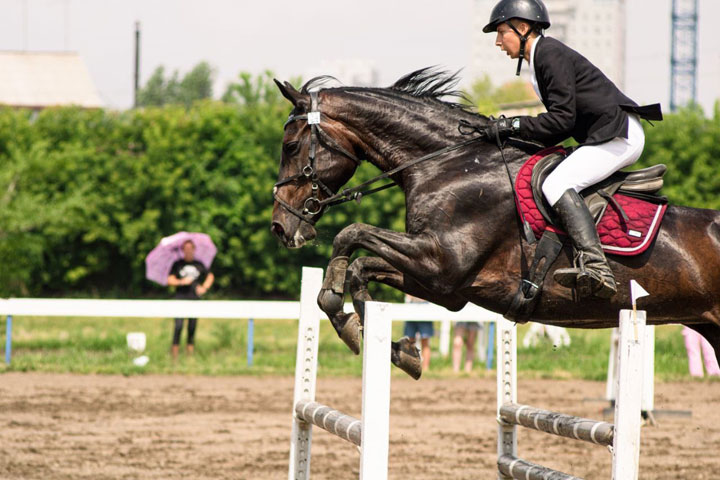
463 240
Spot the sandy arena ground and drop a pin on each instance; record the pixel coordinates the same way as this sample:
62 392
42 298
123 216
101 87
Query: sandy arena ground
171 427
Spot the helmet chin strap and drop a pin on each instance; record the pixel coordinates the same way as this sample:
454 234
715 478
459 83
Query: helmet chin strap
523 43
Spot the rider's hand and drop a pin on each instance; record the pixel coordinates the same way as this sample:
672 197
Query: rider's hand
503 127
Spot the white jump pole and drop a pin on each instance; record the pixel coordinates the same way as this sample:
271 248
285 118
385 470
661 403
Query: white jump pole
305 371
626 447
506 342
375 422
376 392
624 434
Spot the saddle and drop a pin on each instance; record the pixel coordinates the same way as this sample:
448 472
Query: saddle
626 206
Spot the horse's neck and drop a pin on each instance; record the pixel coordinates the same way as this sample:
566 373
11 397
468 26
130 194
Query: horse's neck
393 133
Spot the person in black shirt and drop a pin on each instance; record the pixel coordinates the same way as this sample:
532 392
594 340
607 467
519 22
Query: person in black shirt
191 280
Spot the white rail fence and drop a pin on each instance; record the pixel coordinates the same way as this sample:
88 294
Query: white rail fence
230 309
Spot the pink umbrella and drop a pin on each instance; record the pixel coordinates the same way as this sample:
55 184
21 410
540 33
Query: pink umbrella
160 260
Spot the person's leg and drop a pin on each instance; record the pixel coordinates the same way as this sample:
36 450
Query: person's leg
175 349
711 363
587 166
192 324
470 349
591 164
458 343
692 345
425 342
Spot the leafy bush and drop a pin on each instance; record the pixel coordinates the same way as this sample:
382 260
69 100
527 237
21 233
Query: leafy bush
86 194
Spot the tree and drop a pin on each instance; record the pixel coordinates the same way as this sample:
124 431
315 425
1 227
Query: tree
488 99
195 85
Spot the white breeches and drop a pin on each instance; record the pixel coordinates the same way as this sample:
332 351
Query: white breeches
591 164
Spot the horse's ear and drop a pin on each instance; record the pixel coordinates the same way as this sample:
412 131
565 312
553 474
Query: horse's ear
289 92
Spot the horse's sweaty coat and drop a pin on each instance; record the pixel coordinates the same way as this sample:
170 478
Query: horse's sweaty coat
463 239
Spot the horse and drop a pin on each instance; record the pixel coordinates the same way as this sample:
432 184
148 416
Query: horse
463 240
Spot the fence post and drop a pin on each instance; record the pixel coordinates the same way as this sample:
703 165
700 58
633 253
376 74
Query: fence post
444 338
8 339
305 371
490 345
250 342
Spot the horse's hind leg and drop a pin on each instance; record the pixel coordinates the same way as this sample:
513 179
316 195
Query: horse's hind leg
404 354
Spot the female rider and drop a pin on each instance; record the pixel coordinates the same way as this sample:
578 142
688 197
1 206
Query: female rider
582 103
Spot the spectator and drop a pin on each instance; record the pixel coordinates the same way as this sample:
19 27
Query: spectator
694 344
192 280
424 330
465 334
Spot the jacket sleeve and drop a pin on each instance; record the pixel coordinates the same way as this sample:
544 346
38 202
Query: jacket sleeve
558 122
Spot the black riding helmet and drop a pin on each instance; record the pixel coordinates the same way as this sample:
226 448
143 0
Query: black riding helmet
532 11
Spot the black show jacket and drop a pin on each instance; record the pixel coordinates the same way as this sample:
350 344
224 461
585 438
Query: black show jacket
581 101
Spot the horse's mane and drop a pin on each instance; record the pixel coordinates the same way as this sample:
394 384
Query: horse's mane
429 83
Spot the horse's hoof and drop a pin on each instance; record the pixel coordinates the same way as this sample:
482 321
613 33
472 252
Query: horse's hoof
330 302
406 357
350 330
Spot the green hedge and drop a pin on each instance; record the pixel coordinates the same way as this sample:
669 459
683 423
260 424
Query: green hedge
86 194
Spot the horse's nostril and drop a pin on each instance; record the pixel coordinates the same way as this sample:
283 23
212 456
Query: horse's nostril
277 229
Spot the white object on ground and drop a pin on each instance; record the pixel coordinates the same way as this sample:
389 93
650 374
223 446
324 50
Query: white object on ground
136 341
141 361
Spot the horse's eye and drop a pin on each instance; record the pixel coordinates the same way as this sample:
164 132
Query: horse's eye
291 148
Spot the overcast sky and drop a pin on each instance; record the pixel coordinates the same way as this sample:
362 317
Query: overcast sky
292 37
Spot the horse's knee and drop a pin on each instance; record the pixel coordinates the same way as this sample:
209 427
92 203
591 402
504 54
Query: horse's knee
347 236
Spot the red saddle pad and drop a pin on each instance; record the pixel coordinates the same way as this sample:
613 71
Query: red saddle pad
617 236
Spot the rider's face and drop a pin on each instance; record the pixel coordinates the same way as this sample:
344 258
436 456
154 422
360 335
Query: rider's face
508 40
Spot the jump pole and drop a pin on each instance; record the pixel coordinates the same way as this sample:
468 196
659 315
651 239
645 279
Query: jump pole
305 371
371 433
623 435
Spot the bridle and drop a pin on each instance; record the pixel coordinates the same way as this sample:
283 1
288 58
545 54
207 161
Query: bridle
313 205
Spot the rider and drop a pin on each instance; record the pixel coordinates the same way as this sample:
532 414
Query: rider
582 103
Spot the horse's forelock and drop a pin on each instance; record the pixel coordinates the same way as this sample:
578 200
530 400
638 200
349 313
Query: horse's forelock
318 83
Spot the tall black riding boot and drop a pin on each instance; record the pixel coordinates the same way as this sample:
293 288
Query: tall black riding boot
592 274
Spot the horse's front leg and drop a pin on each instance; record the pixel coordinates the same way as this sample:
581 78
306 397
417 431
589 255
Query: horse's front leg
331 301
404 353
420 257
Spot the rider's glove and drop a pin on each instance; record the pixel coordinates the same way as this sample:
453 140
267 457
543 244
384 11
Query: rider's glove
503 127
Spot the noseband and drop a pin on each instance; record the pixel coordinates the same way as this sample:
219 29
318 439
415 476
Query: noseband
313 205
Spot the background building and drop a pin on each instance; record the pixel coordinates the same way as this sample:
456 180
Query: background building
595 28
45 79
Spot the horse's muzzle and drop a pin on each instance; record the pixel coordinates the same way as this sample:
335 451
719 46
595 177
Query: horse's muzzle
303 234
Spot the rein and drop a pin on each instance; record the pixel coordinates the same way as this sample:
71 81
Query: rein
466 128
313 205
